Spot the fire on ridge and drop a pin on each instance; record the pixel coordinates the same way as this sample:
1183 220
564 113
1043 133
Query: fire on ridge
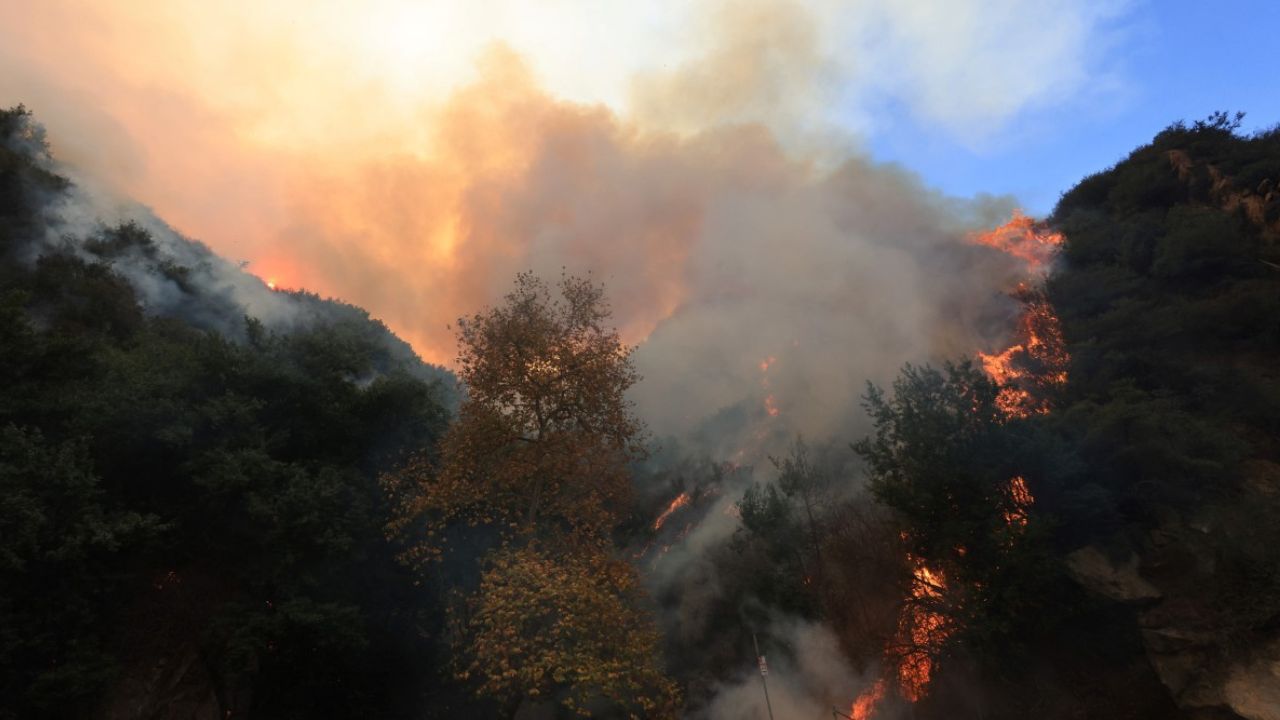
1026 372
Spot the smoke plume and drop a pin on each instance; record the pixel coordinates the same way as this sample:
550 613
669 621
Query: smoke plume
699 159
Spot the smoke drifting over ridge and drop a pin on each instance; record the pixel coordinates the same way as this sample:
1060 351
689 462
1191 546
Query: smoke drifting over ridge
741 237
718 249
765 269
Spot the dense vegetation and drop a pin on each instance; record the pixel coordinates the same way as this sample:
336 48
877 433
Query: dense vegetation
538 462
1160 453
171 494
1156 467
195 503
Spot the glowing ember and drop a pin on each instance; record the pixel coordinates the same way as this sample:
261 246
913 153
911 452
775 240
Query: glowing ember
770 402
1020 499
865 705
681 500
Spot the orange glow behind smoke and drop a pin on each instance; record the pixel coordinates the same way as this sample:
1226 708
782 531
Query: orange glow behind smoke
771 406
770 402
410 157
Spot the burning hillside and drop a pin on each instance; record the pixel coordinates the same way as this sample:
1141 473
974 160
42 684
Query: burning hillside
1025 373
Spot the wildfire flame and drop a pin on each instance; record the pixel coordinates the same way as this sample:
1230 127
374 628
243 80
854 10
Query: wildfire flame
1020 499
865 706
1037 360
921 631
681 500
1025 371
1023 238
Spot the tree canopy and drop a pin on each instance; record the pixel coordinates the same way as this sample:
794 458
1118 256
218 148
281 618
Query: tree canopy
538 457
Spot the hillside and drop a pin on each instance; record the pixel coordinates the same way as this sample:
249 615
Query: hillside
1169 297
209 488
189 503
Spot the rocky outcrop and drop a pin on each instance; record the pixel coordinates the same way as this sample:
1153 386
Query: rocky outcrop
1252 688
1170 581
1120 581
1261 204
164 674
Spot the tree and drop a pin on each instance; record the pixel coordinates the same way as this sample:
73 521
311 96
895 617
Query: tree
544 437
788 521
564 626
61 544
948 461
539 454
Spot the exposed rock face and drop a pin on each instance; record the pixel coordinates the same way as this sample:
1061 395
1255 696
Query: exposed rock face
1170 582
176 686
1119 581
1200 578
1260 205
1252 688
164 675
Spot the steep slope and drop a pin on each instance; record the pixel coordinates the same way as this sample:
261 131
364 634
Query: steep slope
1169 297
191 519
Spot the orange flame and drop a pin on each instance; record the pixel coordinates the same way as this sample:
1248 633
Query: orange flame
864 707
1024 372
1037 361
1020 500
921 631
771 406
1024 238
681 500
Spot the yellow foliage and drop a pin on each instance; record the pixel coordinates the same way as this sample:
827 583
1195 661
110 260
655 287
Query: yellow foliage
566 623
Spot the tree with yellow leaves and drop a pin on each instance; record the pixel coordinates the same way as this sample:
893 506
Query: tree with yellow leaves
564 626
539 454
543 439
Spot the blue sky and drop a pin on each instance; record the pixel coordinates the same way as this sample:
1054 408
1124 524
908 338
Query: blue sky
1164 61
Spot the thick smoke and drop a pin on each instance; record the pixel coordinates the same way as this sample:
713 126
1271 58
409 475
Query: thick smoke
804 681
719 250
177 277
764 269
